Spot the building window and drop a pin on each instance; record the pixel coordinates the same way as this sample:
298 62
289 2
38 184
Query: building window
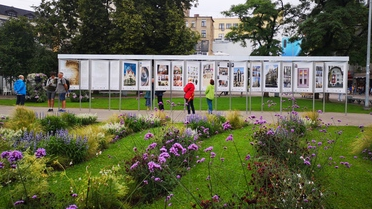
11 14
203 33
193 24
228 25
235 24
30 17
187 24
221 26
220 36
204 23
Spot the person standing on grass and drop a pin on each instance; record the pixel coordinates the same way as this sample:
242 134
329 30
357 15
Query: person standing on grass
159 95
51 86
61 91
189 96
209 94
149 96
20 90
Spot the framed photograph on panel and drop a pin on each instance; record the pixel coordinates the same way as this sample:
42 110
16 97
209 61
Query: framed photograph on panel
193 72
238 76
130 75
223 76
162 75
271 77
208 72
336 77
256 79
287 77
303 77
319 77
177 75
72 71
115 75
145 75
100 74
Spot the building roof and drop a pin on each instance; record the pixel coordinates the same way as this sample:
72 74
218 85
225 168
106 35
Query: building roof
4 10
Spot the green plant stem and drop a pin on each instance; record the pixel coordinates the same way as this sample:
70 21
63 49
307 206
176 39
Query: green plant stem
23 183
241 163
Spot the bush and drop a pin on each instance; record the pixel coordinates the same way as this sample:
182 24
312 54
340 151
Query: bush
53 123
79 96
206 126
86 118
24 119
364 143
293 123
235 119
35 87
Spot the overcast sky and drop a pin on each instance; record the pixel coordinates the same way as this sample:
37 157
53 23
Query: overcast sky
205 8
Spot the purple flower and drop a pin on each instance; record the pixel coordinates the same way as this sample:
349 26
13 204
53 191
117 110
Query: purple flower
151 146
201 160
208 149
248 157
320 112
74 195
213 154
230 138
193 147
152 165
215 198
306 162
222 159
135 165
19 202
270 132
5 154
149 136
72 207
40 153
14 156
226 125
157 179
34 197
1 165
178 176
145 182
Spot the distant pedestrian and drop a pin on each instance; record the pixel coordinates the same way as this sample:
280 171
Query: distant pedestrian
61 91
20 90
149 96
209 94
189 90
51 87
159 95
340 97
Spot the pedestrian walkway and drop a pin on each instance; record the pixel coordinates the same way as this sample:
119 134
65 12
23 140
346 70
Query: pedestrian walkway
180 115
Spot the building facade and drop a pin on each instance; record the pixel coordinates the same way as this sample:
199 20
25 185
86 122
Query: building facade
223 25
204 26
7 12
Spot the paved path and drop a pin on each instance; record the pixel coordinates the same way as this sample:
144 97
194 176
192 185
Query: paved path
180 115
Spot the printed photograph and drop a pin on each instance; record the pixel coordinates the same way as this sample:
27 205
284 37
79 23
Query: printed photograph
129 78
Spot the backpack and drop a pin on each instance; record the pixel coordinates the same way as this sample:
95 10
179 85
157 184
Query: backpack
68 84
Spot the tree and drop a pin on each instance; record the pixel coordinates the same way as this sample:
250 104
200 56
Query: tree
261 21
334 28
17 46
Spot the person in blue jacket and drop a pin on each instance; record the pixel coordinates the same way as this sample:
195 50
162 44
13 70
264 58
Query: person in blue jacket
20 90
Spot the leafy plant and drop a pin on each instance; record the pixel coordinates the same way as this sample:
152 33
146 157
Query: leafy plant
24 119
235 119
53 123
35 87
79 96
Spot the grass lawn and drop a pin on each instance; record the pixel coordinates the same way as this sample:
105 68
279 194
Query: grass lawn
220 104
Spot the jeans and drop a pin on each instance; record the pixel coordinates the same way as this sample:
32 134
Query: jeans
20 99
209 102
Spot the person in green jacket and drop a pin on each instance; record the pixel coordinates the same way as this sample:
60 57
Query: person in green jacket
209 94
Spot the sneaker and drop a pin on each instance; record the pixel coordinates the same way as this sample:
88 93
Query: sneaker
50 110
61 110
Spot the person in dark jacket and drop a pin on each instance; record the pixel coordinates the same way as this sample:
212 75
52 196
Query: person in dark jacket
189 96
159 95
20 90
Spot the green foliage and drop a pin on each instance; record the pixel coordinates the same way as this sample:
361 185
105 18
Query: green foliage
79 96
24 119
364 143
235 119
53 123
136 123
86 119
206 126
35 87
293 123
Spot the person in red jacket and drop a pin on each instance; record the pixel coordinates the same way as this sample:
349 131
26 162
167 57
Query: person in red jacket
189 96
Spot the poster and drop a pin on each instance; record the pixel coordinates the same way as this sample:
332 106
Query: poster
287 75
208 74
115 75
100 74
177 75
271 77
238 76
336 77
303 77
319 77
223 76
129 80
193 72
256 69
145 76
162 75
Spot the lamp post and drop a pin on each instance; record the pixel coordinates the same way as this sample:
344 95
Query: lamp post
366 102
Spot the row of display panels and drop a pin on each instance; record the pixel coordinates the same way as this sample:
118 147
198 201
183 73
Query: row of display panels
299 77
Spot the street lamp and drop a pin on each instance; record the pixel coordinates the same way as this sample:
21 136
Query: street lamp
366 102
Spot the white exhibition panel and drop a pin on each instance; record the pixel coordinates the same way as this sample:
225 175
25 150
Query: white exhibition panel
256 78
100 74
336 77
239 76
319 77
303 77
223 71
287 77
193 72
130 75
114 75
178 81
145 75
208 73
271 78
265 74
